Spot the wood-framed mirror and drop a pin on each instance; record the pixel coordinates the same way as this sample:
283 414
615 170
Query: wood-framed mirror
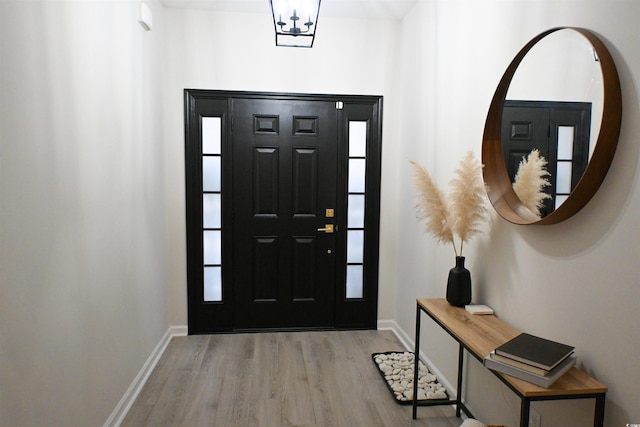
597 126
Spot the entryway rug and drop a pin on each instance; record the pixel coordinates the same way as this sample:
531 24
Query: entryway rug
396 368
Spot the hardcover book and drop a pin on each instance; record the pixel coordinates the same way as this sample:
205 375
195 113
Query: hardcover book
540 380
535 351
521 365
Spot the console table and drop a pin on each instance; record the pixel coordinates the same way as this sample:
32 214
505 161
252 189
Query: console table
479 335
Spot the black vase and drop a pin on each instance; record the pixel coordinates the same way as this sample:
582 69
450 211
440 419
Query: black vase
459 284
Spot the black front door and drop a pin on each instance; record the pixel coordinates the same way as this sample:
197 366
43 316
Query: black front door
283 202
285 176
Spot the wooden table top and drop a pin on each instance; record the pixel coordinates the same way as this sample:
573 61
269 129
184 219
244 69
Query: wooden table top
483 333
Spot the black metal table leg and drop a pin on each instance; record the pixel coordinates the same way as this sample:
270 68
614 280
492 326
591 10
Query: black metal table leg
416 357
525 404
459 390
598 417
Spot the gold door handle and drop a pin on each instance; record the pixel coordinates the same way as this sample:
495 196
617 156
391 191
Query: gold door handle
328 228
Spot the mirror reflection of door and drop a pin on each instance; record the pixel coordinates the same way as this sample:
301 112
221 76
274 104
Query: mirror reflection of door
560 132
282 210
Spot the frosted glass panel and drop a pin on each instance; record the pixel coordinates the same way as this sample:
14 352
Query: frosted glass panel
212 247
355 211
357 139
211 211
355 246
560 200
563 180
211 135
354 281
565 142
356 175
211 173
213 284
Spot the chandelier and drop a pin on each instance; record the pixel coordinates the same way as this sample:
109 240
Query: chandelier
295 21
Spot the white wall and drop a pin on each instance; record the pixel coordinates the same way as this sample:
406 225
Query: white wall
575 282
82 208
92 188
348 57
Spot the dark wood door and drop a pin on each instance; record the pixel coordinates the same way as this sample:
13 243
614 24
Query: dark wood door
285 176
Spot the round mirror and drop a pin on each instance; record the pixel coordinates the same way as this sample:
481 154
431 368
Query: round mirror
560 99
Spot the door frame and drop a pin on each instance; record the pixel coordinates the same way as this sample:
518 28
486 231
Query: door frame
350 313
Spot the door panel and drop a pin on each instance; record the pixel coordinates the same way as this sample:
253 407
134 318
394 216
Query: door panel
524 128
284 179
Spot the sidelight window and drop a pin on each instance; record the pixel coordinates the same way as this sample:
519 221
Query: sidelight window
566 137
356 208
212 207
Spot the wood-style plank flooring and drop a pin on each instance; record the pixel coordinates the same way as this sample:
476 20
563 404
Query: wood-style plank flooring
276 379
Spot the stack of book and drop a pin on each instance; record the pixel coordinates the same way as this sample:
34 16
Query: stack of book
533 359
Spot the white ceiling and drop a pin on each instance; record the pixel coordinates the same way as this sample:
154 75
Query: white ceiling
368 9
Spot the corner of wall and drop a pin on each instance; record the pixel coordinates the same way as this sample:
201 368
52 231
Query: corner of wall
122 408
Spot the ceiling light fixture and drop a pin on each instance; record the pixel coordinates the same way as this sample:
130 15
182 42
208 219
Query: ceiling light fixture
295 21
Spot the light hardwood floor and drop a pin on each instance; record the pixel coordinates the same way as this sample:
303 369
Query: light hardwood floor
276 379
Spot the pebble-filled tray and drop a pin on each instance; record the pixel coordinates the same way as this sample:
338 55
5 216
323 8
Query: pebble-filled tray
396 368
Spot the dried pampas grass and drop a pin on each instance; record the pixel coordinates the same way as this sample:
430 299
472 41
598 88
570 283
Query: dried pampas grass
467 199
462 214
432 205
530 181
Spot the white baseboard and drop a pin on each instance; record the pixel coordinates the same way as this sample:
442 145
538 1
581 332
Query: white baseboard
391 325
179 330
122 408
